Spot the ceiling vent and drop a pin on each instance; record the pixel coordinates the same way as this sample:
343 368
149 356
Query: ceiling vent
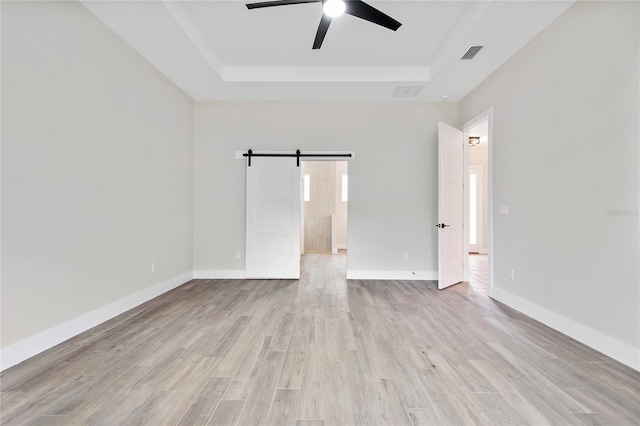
471 53
406 91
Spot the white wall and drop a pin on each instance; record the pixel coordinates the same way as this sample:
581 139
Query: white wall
96 174
392 180
565 153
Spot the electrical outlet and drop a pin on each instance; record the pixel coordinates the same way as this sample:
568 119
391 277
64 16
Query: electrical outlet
405 256
512 274
153 266
238 255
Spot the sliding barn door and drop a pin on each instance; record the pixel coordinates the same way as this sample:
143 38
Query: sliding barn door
273 218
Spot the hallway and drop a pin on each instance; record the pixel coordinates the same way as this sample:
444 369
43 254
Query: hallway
478 275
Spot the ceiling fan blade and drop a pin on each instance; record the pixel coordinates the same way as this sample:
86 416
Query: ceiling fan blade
279 3
325 21
362 10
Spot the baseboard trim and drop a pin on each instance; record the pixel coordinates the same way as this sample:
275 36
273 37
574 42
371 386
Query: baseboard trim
220 274
609 346
34 345
25 349
392 275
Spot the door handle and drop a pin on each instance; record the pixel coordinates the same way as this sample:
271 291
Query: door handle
442 225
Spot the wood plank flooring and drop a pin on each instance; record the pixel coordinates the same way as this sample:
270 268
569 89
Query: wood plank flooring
321 351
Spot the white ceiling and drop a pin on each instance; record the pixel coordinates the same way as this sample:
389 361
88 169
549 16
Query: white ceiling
220 50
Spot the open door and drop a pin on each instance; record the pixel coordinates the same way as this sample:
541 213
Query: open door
450 206
273 219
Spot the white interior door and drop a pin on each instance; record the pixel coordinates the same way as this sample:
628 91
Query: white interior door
273 218
450 206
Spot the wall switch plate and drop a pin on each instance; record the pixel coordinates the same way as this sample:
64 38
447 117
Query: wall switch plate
405 256
512 274
153 266
238 255
503 211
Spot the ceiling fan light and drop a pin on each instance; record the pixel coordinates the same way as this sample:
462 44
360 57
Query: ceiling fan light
333 8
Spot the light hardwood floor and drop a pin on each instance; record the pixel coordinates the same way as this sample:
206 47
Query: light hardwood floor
321 351
478 277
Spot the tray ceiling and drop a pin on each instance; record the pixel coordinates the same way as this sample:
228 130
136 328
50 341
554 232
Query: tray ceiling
220 50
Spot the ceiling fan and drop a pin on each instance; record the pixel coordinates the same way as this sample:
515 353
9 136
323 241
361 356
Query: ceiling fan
335 8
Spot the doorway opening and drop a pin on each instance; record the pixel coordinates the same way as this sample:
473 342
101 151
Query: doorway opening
478 195
325 196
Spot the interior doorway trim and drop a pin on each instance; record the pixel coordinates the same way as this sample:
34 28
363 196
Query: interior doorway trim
488 116
339 203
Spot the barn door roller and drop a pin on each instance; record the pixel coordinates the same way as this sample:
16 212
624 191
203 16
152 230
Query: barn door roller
250 154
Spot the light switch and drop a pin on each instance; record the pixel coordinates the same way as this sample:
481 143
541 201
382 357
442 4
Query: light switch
504 211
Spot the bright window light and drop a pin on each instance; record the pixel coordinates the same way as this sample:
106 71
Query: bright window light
345 187
306 192
334 8
473 205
